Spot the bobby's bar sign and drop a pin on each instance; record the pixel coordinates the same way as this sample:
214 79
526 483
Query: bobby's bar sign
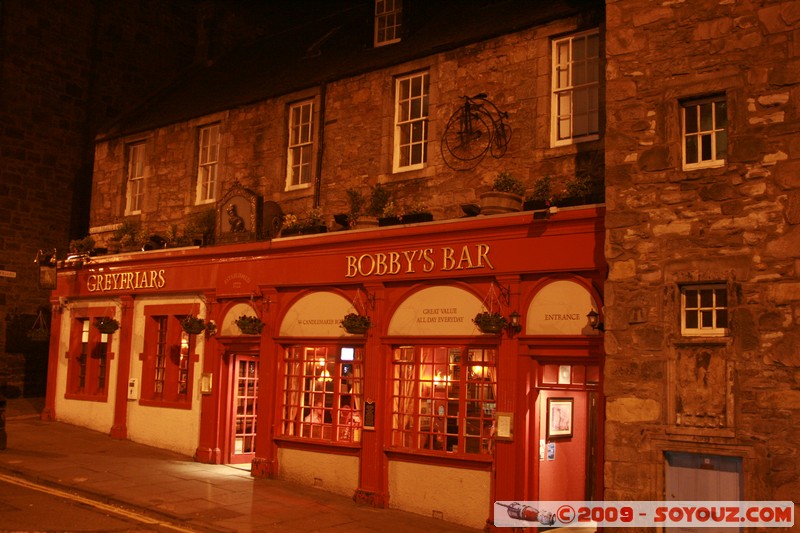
121 281
419 260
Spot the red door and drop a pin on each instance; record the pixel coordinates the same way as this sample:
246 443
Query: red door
245 392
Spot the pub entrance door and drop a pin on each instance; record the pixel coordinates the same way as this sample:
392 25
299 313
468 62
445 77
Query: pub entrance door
243 408
568 417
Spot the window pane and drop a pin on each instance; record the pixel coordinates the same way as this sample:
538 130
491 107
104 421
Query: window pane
690 297
705 148
707 319
706 298
706 117
691 149
690 119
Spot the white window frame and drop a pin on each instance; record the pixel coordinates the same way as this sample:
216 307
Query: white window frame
411 122
208 163
300 152
388 21
704 122
136 174
707 314
574 72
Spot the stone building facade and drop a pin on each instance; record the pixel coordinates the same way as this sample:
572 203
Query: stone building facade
714 386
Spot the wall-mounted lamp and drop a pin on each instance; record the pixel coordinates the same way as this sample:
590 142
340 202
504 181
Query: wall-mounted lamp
594 321
514 324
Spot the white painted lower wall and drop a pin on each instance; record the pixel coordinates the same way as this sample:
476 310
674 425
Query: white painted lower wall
162 427
98 416
331 472
453 494
168 428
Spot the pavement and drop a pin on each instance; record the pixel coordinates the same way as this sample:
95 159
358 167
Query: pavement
174 488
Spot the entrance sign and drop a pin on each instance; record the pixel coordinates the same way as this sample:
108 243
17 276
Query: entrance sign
560 308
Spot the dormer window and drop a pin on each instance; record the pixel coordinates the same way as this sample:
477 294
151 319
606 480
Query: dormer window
388 18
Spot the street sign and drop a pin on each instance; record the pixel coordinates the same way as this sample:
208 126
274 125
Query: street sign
7 274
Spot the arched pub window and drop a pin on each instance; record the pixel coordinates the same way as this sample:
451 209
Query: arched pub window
323 393
443 398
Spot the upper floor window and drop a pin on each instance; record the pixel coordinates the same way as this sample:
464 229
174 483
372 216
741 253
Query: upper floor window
87 373
443 399
323 393
168 359
388 18
705 135
207 165
576 88
411 122
136 170
301 145
704 310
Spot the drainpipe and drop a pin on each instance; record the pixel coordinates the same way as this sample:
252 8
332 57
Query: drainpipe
320 144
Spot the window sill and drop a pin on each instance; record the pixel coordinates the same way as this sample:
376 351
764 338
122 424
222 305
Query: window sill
703 341
167 404
87 397
309 444
458 460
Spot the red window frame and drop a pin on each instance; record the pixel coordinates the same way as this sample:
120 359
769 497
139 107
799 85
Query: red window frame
323 393
89 358
443 399
168 359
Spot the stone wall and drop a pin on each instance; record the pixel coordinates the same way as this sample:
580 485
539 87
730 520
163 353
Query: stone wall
738 224
513 70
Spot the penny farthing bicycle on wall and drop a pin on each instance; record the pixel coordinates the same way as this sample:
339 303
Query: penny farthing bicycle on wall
476 128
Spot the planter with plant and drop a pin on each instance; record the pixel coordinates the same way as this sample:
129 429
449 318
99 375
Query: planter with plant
584 189
106 324
542 195
505 196
417 212
312 223
83 246
356 202
355 323
249 325
390 216
489 322
130 236
201 227
193 325
379 198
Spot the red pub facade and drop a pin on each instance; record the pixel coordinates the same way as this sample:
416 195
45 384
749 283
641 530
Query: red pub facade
397 416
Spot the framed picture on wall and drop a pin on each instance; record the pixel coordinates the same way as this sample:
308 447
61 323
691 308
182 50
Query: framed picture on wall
559 417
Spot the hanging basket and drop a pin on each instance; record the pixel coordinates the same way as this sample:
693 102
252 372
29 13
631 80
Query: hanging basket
355 324
39 331
249 325
492 323
106 324
193 325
